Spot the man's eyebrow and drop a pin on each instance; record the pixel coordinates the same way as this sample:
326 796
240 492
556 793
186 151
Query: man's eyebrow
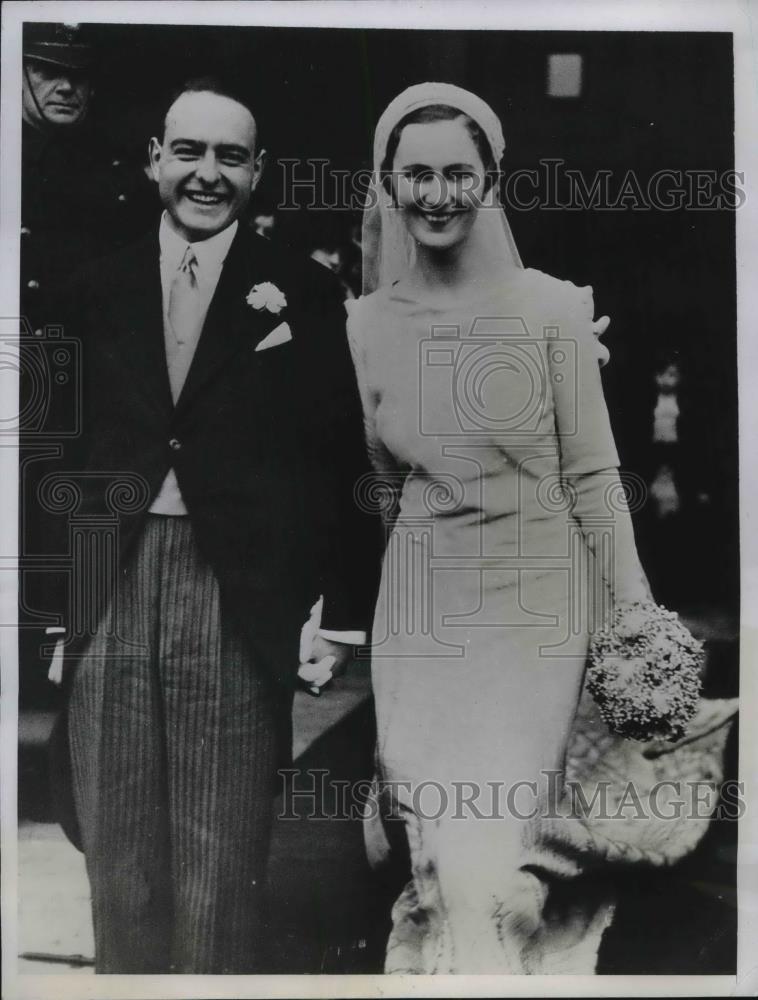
230 147
222 147
186 142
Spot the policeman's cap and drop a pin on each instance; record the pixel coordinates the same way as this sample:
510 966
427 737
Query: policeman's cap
58 44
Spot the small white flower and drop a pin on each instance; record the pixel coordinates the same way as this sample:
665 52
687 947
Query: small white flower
266 296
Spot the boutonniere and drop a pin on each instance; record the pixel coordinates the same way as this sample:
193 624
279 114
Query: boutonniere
266 296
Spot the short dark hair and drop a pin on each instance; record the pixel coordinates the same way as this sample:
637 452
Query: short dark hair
211 85
442 113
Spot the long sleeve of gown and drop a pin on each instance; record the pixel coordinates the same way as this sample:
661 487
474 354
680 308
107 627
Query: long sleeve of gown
386 483
589 460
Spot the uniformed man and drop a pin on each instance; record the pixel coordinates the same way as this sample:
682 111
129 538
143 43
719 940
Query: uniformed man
80 199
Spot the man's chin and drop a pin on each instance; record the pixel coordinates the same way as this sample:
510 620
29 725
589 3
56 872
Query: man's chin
201 225
61 116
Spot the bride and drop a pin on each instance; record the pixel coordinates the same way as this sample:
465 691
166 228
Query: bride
486 423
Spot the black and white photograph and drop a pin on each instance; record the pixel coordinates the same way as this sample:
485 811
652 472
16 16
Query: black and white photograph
378 589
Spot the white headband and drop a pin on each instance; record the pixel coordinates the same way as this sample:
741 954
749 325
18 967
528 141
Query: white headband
423 95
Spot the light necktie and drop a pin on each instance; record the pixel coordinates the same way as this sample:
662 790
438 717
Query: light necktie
184 299
185 320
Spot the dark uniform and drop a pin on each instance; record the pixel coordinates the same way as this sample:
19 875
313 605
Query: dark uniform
80 199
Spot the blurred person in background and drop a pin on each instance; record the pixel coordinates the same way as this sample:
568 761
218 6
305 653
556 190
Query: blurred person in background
264 224
332 257
679 497
665 439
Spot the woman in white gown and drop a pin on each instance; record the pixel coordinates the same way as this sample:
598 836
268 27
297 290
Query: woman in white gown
487 426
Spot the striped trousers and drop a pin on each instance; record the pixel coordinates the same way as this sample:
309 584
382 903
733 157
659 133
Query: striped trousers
174 743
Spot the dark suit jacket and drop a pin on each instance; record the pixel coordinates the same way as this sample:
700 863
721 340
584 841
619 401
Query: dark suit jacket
267 445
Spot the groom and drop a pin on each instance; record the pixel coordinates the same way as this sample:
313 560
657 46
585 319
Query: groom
218 382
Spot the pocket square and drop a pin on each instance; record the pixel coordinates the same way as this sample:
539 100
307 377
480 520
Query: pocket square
279 335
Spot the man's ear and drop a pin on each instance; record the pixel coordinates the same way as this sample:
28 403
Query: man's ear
258 164
156 152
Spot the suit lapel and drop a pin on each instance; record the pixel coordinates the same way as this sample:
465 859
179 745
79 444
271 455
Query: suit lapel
138 324
229 324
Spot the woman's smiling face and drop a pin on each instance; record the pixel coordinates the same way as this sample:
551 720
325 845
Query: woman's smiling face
438 179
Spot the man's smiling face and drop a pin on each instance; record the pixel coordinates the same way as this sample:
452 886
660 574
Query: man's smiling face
206 167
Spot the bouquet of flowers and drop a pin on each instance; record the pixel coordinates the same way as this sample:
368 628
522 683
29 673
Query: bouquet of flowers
644 672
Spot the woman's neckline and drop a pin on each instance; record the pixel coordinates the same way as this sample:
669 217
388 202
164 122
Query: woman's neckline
400 293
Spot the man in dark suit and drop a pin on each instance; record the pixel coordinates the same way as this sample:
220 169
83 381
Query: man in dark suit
222 431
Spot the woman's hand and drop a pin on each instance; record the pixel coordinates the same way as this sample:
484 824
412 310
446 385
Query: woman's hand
332 656
326 661
599 326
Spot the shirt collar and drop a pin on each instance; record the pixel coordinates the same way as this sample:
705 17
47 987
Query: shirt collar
210 253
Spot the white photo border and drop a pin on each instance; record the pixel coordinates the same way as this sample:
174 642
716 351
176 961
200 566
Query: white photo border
739 18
